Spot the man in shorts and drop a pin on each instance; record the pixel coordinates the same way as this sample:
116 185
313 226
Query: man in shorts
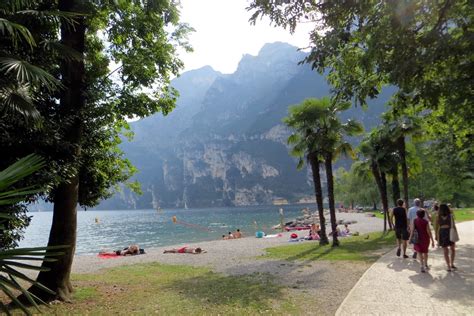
399 213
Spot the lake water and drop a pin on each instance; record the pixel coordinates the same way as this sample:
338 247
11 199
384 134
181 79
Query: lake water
152 228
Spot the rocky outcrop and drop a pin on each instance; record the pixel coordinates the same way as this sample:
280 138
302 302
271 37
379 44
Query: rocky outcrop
225 143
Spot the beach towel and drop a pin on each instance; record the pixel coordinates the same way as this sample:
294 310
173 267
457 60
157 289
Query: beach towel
108 255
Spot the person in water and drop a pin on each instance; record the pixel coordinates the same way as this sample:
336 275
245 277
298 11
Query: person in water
191 250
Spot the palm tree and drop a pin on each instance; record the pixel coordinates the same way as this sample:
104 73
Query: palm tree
303 119
401 126
321 134
20 79
12 259
379 150
332 134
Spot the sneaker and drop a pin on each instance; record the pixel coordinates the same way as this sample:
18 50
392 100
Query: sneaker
423 270
453 267
414 255
398 252
405 257
426 267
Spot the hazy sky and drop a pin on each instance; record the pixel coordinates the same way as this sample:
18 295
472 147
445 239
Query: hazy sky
223 33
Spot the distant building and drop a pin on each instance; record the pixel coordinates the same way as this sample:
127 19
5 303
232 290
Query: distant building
280 202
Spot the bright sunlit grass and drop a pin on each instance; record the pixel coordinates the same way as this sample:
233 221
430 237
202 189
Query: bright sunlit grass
366 247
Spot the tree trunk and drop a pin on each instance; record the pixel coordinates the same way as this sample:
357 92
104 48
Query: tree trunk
318 191
332 206
385 200
383 192
403 158
72 103
395 186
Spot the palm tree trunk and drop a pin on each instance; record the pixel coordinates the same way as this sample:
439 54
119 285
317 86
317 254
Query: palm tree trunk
378 180
395 186
72 102
385 200
403 158
318 191
332 206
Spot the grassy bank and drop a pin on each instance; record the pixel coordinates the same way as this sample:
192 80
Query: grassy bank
366 247
174 290
464 214
461 214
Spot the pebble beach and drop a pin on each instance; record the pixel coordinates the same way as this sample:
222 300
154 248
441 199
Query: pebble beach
325 281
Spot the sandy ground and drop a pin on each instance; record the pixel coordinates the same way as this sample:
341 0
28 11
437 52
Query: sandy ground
321 283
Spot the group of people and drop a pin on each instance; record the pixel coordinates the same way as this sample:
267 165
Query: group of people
414 226
233 235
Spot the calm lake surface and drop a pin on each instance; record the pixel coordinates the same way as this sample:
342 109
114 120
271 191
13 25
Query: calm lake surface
152 228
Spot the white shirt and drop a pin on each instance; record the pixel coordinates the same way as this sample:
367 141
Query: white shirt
412 214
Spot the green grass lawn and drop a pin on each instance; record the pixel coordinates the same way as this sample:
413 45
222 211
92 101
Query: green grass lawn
464 214
366 247
174 290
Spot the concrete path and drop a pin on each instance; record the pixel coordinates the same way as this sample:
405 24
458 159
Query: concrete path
394 286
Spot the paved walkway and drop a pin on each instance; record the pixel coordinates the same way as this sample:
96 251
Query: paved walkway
394 286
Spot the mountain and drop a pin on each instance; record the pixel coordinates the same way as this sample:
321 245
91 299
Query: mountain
224 144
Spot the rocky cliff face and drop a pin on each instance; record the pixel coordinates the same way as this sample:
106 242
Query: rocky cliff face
224 144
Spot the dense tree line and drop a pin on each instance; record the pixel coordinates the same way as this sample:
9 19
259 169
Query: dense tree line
425 49
73 72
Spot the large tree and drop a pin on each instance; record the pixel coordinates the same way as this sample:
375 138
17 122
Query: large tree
82 122
322 135
333 136
303 119
424 48
381 158
401 126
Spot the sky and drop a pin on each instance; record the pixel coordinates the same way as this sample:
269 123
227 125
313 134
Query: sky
223 34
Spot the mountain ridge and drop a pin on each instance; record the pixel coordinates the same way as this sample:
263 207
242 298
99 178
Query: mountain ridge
225 144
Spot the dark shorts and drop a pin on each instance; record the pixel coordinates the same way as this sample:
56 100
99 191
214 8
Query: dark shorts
444 238
401 233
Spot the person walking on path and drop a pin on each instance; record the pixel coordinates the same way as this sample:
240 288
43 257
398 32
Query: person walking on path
445 223
412 216
424 236
401 227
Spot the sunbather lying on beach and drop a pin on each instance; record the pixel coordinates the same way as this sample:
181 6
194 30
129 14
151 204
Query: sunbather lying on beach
197 250
128 251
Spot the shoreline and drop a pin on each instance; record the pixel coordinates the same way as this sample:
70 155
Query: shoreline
320 283
220 253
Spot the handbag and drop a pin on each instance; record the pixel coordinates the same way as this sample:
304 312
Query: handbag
414 237
453 232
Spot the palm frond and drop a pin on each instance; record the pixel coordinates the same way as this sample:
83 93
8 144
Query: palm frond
67 53
18 99
26 73
16 32
12 259
19 170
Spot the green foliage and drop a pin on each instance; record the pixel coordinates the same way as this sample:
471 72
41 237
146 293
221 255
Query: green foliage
143 37
11 260
425 49
13 227
367 247
355 187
